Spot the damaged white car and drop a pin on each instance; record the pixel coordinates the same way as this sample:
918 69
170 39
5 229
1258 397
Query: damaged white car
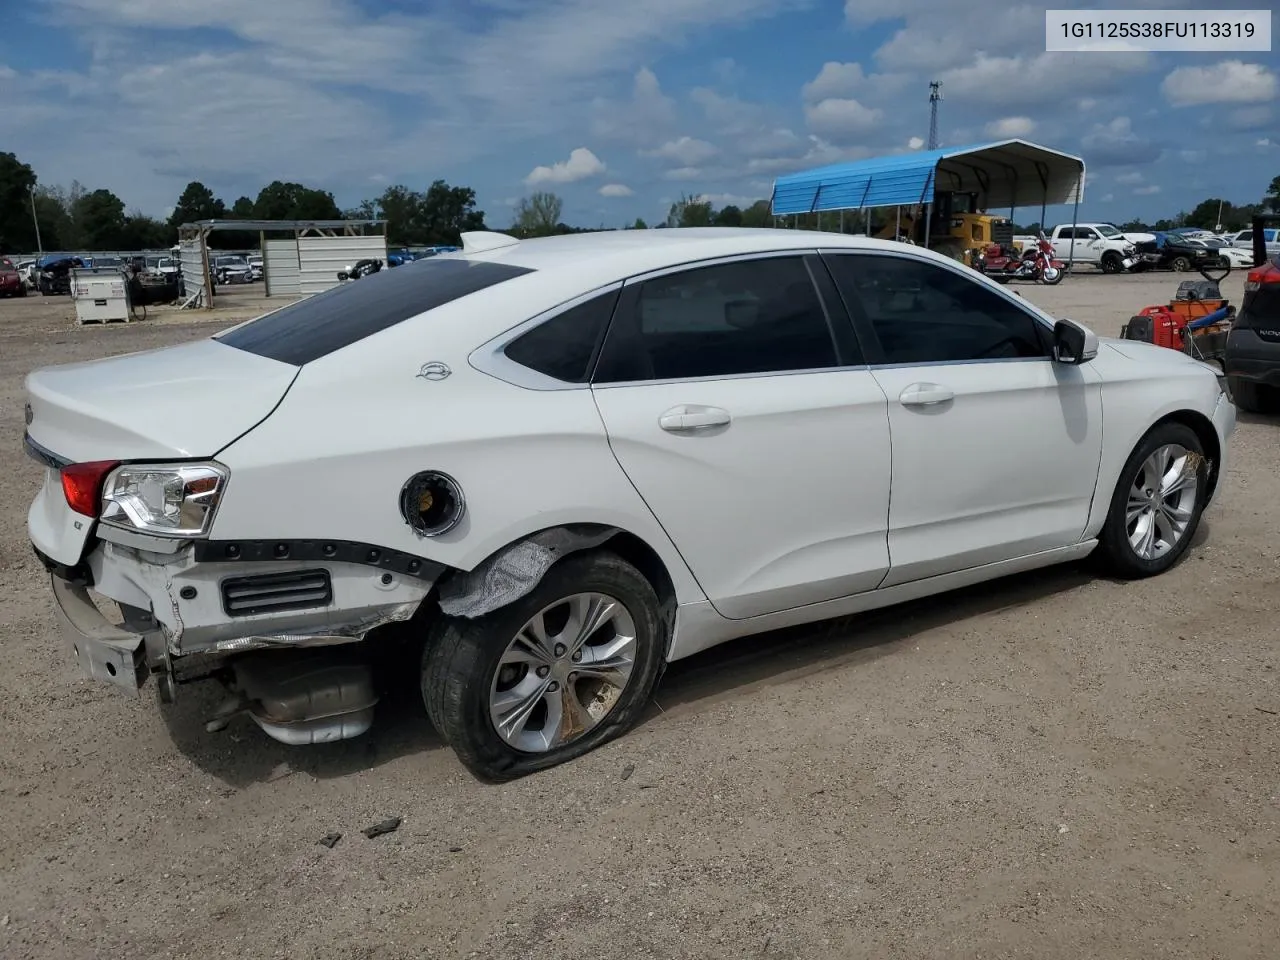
562 463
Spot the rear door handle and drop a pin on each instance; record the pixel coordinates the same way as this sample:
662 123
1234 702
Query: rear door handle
691 417
925 394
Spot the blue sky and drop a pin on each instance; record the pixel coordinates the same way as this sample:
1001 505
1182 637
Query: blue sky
618 106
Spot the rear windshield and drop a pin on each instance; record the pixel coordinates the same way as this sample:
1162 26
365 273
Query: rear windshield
338 317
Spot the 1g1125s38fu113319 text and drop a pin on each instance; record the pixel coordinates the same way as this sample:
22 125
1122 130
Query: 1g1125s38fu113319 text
1188 31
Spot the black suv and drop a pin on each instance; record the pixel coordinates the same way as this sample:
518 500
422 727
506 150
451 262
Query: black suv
1252 358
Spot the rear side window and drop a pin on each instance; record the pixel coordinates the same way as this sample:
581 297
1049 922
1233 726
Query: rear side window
564 346
338 317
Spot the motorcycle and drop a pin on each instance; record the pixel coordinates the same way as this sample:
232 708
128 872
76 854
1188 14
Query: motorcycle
361 268
1003 265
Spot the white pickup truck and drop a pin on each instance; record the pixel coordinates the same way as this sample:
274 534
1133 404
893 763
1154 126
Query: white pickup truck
1099 245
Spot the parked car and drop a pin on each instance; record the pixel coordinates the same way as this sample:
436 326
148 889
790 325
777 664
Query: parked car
255 268
1235 257
1174 251
230 269
631 447
11 284
1243 240
1251 360
1099 245
27 272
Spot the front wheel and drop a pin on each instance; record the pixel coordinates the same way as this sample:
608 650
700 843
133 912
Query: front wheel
551 676
1112 263
1051 276
1180 264
1157 503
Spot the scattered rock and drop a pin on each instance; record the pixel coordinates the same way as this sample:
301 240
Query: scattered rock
455 849
330 840
390 825
628 770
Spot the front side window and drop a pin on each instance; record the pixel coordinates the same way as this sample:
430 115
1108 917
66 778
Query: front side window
340 316
923 313
751 316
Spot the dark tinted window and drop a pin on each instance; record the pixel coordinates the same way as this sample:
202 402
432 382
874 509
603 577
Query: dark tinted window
564 346
924 313
338 317
756 316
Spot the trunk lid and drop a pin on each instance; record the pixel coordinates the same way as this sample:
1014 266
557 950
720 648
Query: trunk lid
174 403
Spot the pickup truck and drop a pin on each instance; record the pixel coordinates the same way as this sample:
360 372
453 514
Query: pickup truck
1099 245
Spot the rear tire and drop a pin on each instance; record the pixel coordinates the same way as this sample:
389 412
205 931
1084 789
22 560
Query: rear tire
1180 264
475 671
1252 397
1156 506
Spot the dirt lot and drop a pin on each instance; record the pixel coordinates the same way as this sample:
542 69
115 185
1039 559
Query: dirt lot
1050 766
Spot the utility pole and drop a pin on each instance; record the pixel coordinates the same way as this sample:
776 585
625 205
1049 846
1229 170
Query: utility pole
935 96
35 219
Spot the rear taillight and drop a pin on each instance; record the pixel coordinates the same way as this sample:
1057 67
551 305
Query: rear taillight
82 485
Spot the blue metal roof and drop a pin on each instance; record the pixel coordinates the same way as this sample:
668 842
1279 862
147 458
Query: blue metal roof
1004 172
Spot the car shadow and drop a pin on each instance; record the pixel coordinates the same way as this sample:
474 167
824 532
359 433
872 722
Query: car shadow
767 659
1268 419
242 754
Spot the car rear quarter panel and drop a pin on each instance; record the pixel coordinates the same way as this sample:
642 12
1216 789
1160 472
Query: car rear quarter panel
1142 385
333 458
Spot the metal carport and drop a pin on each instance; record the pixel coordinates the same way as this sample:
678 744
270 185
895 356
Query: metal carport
1003 173
320 248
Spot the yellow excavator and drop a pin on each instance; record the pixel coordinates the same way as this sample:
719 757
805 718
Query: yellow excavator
957 227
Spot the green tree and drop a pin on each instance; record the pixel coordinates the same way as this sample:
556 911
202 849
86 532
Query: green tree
538 215
293 201
141 232
729 216
639 225
17 228
759 214
449 211
690 211
1272 198
100 221
1135 226
242 209
1205 214
197 202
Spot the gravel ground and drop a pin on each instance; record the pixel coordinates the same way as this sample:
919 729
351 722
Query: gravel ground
1049 766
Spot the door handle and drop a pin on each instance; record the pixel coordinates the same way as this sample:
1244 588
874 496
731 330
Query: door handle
689 417
925 394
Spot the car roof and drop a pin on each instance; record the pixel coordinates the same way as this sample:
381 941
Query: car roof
613 255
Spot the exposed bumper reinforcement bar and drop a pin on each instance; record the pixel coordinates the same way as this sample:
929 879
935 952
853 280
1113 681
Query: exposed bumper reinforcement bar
103 650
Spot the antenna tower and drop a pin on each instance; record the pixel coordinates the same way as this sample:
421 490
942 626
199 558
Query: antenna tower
935 96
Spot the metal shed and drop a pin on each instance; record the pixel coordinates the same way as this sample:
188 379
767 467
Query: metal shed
1005 173
305 262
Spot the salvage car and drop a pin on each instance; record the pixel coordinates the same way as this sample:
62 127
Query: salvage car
1251 359
562 463
1174 251
11 284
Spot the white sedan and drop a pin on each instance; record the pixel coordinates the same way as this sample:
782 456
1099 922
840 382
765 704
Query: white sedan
558 464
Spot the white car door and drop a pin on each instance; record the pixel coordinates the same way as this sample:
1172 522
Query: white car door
736 402
996 447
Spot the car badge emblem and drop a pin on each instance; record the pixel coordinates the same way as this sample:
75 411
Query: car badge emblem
435 370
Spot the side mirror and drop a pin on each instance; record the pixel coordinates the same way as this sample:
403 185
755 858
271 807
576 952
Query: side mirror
1073 344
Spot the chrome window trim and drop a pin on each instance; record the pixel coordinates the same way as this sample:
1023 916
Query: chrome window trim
490 357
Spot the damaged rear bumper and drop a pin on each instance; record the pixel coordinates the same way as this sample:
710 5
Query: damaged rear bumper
103 650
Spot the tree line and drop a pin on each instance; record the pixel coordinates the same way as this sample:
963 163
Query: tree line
76 218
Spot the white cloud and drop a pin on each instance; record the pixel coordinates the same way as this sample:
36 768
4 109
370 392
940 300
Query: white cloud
1011 127
686 151
581 165
915 143
645 116
1086 105
833 80
1108 197
1231 81
1264 142
1132 177
683 173
615 190
1116 144
1149 190
729 199
1037 80
841 119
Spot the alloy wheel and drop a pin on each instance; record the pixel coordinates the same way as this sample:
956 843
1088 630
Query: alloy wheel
1162 501
563 672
